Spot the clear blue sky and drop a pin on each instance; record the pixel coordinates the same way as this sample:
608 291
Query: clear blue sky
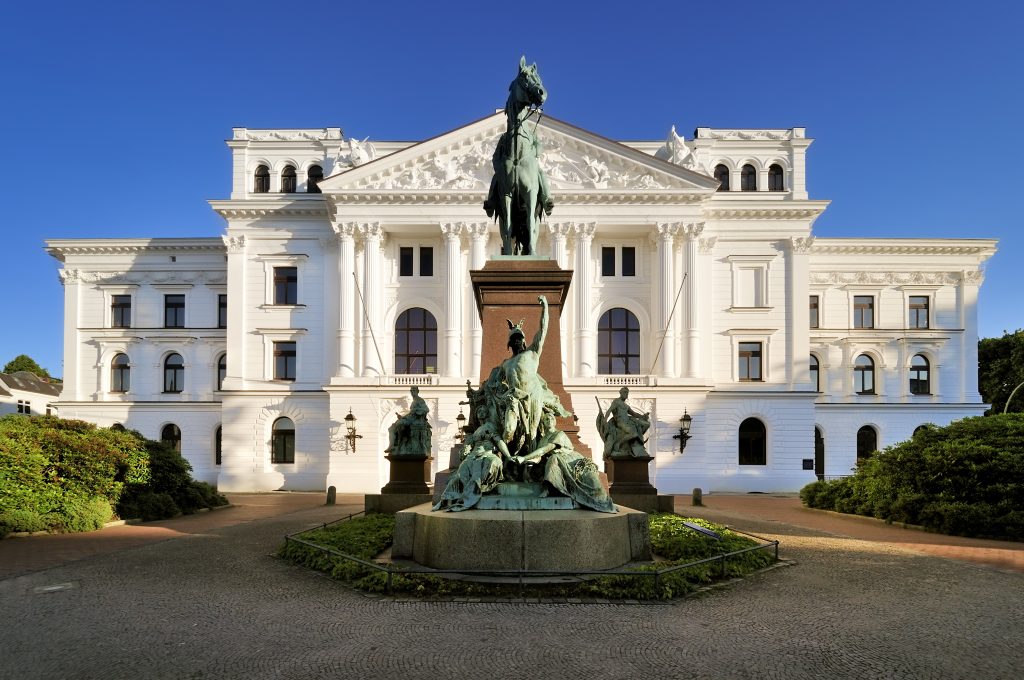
114 113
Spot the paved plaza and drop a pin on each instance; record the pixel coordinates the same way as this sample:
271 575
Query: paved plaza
203 597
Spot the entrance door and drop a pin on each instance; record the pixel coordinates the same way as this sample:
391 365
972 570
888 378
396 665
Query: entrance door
819 454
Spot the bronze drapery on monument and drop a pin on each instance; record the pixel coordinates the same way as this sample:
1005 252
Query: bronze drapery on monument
519 191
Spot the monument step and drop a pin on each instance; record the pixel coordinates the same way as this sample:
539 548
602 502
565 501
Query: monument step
497 502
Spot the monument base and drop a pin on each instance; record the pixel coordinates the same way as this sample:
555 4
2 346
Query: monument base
629 476
408 475
390 503
646 502
531 540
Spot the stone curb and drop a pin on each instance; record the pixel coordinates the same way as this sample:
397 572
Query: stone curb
107 525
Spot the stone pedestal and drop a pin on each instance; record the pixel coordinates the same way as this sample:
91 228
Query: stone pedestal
536 540
408 475
631 485
507 288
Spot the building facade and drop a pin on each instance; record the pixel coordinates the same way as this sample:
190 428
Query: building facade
342 279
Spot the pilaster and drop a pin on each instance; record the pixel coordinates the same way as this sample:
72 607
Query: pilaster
798 339
237 338
695 251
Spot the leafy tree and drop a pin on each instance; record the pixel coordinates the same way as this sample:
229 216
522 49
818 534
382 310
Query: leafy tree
1000 370
24 362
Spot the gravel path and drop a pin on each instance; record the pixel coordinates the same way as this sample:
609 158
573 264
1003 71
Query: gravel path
217 604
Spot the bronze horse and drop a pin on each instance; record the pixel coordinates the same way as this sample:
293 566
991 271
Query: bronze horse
519 191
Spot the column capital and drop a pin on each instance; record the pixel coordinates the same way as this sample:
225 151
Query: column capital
345 230
559 229
667 231
706 245
801 244
693 229
584 231
370 230
452 230
234 244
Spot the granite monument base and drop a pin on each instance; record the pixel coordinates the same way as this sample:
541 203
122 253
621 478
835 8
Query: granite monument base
408 475
390 503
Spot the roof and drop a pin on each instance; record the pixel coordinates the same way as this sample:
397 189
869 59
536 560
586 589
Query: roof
27 382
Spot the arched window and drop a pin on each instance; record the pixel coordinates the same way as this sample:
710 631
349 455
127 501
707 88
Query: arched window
261 180
314 176
222 370
618 343
416 342
722 175
120 374
815 374
174 373
753 440
218 446
920 428
748 178
775 181
120 428
819 454
920 382
867 443
282 441
171 436
288 181
864 375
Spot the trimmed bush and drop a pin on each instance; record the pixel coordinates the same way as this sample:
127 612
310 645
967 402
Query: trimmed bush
965 479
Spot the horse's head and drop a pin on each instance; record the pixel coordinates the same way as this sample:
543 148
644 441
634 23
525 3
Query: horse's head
527 87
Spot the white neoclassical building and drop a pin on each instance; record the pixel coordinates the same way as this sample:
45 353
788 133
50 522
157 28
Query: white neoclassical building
342 279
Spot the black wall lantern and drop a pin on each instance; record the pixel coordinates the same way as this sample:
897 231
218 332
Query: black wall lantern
684 430
350 431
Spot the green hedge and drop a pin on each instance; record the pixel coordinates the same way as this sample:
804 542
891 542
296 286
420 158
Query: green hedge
69 475
366 537
965 479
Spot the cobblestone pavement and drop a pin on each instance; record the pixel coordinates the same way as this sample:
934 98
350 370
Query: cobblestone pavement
217 604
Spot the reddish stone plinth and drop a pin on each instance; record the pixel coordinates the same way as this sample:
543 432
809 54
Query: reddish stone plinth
508 289
408 475
629 476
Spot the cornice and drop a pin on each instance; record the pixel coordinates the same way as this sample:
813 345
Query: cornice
440 197
972 247
61 248
263 207
782 210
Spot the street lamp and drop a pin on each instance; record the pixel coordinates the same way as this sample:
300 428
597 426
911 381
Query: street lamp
684 430
350 431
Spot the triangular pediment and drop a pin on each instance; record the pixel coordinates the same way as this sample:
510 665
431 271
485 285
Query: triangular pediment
575 161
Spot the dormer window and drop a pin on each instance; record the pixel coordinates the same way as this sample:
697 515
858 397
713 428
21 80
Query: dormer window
775 182
748 178
722 175
261 180
288 182
314 176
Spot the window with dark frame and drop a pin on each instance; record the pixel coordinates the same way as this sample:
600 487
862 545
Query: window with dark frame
222 311
282 441
174 374
722 175
920 378
286 285
607 261
918 311
121 311
426 261
748 178
314 176
261 180
222 370
405 261
863 311
120 374
171 436
24 407
864 375
750 362
753 442
618 343
288 180
284 361
815 371
174 311
867 443
628 261
775 178
815 319
415 342
218 445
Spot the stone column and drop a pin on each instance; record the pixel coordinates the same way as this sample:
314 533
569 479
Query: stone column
558 231
373 239
478 234
586 352
665 336
691 310
347 300
453 293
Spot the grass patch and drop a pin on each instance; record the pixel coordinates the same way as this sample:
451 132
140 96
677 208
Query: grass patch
674 542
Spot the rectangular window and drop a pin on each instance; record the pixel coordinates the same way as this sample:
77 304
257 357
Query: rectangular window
863 311
286 285
174 311
607 261
815 320
25 407
628 261
919 311
750 361
405 261
222 311
284 361
426 261
121 311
